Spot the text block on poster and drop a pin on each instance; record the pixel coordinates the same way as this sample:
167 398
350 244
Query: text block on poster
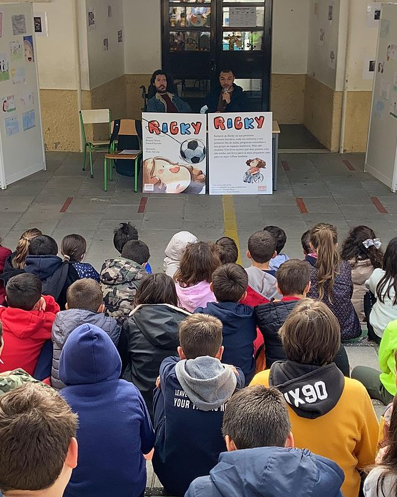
240 153
174 153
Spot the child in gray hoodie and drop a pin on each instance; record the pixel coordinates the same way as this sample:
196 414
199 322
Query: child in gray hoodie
189 402
84 306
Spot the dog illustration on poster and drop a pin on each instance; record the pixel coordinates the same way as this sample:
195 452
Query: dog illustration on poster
254 175
160 175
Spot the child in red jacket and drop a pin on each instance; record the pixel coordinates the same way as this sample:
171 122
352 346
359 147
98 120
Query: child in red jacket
4 253
27 322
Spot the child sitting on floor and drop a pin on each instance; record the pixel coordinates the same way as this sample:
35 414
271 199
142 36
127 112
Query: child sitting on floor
189 403
121 277
27 322
227 250
4 253
84 305
194 275
229 284
126 233
262 283
175 250
281 239
73 249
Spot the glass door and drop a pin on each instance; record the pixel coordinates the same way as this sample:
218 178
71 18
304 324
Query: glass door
200 37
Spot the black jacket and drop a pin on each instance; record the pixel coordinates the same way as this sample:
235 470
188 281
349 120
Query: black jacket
152 333
238 102
270 317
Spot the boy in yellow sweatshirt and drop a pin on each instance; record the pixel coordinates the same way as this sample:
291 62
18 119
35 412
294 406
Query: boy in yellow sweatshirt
330 415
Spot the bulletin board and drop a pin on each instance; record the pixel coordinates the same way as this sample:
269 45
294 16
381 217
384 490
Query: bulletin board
21 136
381 157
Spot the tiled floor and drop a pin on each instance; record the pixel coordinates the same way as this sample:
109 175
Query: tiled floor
333 188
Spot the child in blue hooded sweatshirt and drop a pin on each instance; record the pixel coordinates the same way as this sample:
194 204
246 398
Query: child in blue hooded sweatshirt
189 402
114 425
229 284
261 460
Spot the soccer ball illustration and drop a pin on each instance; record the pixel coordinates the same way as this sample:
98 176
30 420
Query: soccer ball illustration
193 151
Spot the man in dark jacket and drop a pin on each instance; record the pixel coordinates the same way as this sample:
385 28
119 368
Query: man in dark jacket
165 98
227 97
56 275
261 460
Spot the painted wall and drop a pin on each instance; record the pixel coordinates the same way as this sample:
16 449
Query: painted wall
56 53
105 65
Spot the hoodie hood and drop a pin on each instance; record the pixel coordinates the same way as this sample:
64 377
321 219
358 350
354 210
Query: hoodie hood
276 262
22 324
121 271
192 297
275 472
88 357
206 381
42 266
236 315
311 391
263 283
159 324
175 250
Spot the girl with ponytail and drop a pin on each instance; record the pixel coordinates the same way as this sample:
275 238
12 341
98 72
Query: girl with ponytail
331 280
19 256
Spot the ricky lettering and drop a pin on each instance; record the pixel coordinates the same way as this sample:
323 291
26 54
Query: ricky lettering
220 123
174 128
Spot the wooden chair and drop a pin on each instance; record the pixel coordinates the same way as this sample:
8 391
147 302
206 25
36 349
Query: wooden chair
95 116
127 128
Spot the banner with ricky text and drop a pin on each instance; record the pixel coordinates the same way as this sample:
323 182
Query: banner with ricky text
174 153
240 153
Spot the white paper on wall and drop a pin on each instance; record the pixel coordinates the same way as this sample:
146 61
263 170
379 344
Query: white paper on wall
321 38
18 25
379 108
373 14
242 17
369 68
332 59
11 126
8 104
385 89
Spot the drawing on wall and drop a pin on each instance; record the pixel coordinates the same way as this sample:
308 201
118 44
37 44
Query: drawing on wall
16 50
391 52
40 24
373 14
381 67
395 82
28 48
28 120
110 13
369 66
379 108
11 125
91 20
393 109
8 104
27 100
385 89
330 13
120 36
4 67
106 44
332 59
18 75
322 37
18 25
384 28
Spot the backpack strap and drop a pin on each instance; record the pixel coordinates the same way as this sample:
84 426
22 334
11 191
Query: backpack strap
116 130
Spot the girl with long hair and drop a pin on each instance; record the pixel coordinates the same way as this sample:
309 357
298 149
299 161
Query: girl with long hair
151 333
383 284
331 280
18 258
194 275
73 249
362 249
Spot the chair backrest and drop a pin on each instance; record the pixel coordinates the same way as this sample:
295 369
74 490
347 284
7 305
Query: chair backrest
128 127
95 116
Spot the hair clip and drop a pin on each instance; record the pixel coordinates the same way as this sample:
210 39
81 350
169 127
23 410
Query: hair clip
372 243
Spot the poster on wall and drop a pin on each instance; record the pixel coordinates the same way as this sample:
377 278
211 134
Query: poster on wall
174 153
369 66
332 59
330 13
18 25
91 21
28 48
120 36
18 75
12 126
40 24
373 14
321 37
16 50
242 17
240 153
27 100
8 104
385 89
4 67
28 120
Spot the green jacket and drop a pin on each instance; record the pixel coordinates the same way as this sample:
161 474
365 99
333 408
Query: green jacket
387 362
14 379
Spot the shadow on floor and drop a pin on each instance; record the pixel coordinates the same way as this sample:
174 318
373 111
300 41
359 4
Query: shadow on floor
296 136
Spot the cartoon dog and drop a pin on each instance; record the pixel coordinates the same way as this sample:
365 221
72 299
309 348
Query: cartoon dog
170 177
253 175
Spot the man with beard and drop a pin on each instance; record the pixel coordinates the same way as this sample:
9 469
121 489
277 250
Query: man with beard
163 95
227 96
